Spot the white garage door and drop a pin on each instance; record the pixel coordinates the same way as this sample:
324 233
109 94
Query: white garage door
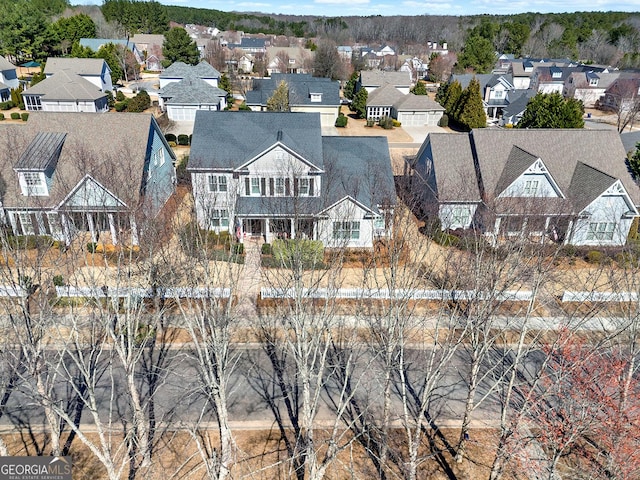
415 119
327 119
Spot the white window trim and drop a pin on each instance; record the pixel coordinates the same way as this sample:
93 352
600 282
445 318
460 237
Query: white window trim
219 183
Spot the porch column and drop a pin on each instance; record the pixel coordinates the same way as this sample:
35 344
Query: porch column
496 228
293 228
134 230
569 233
267 231
112 227
92 227
65 229
12 220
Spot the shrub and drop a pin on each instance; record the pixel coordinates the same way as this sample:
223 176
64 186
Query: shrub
568 251
183 139
396 123
307 254
24 117
15 116
266 249
170 137
509 125
173 144
120 107
244 106
594 256
341 121
91 247
139 103
120 96
58 280
237 249
183 177
370 123
444 121
386 123
1 116
6 105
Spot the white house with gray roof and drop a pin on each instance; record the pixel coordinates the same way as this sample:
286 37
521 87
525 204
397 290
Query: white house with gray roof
285 180
569 186
95 70
372 79
65 92
68 173
8 75
185 89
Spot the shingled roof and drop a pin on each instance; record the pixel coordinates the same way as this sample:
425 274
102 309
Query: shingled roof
66 86
79 66
192 91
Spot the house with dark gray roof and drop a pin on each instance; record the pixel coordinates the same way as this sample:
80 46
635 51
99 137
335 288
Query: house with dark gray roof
568 186
306 94
8 75
95 70
372 79
184 89
286 180
96 43
65 92
68 173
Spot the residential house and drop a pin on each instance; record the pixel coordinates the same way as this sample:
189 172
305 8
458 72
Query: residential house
306 94
372 79
345 52
381 100
96 43
285 180
630 140
623 95
497 91
245 63
250 45
8 75
569 186
524 69
512 113
551 79
184 89
588 86
417 111
65 92
95 70
69 173
289 60
5 93
151 47
415 66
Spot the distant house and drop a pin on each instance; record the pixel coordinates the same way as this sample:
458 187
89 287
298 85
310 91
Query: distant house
151 47
8 75
289 60
245 63
306 94
250 45
285 180
372 79
588 86
622 95
68 173
95 70
567 186
96 43
184 89
65 92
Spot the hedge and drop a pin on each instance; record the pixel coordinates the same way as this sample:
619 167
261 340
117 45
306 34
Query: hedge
6 105
15 116
183 139
341 121
24 117
170 137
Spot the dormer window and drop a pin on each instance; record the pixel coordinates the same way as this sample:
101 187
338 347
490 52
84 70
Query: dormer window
593 82
33 184
316 97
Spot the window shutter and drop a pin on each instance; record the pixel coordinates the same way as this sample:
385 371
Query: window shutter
271 189
247 186
287 187
296 190
263 187
311 182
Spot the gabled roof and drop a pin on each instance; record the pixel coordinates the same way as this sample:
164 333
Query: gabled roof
192 91
629 140
587 184
385 96
420 103
228 140
66 86
300 88
182 70
560 149
6 64
148 39
112 148
247 42
95 43
517 163
377 78
42 153
79 66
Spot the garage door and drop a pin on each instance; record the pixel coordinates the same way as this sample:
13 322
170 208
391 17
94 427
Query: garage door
327 119
416 119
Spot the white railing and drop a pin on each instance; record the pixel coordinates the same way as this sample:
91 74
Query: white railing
12 291
599 296
399 294
125 292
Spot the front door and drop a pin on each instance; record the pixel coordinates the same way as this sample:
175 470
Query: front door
254 227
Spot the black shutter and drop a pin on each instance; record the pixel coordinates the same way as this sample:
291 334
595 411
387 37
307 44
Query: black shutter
271 190
264 186
287 187
247 186
296 190
311 182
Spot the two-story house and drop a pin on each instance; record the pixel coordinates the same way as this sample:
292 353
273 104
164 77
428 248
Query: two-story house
65 92
286 180
68 173
289 60
569 186
588 86
95 70
8 77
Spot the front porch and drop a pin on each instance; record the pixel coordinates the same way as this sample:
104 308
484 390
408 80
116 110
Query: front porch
270 229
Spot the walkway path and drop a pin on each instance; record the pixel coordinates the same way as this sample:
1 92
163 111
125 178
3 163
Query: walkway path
250 279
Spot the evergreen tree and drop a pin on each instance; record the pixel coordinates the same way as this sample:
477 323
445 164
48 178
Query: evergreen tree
454 92
552 111
420 88
350 86
225 84
178 47
471 112
442 93
359 104
478 54
634 162
279 101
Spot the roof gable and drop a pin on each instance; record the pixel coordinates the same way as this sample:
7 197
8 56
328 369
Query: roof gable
89 193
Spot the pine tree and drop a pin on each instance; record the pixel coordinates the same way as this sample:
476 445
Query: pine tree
552 111
420 88
279 101
454 92
359 104
178 47
471 112
634 162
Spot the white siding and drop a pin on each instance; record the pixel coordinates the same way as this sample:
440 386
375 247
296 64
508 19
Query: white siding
525 186
346 211
453 216
607 219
